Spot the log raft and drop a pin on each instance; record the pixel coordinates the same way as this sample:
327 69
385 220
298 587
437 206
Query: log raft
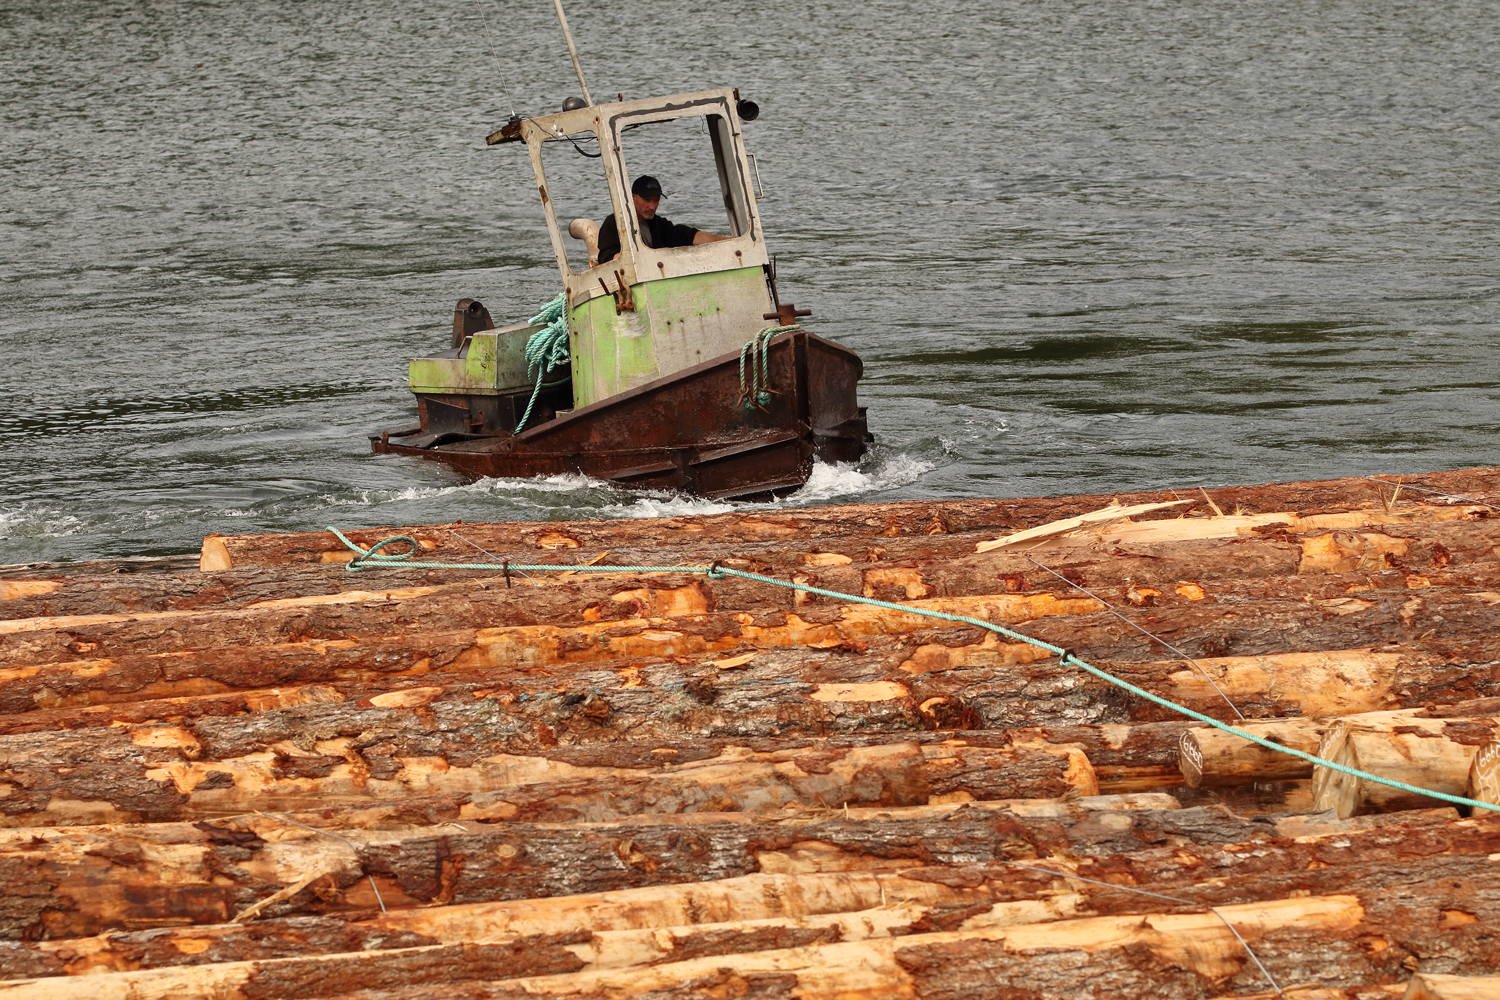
255 774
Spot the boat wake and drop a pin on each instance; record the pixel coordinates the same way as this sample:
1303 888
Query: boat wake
34 531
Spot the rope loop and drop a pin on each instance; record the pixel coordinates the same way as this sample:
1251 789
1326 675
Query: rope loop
756 391
391 556
547 349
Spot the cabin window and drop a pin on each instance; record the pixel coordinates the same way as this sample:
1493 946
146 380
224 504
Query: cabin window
576 189
694 159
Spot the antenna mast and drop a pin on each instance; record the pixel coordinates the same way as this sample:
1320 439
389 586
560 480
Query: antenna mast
568 35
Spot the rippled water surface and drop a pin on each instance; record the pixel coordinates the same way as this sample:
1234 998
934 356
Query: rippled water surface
1082 247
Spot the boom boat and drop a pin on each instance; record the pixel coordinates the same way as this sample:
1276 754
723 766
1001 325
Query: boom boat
674 368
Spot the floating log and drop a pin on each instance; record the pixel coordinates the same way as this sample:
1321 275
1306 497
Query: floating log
745 899
1321 566
892 520
1454 668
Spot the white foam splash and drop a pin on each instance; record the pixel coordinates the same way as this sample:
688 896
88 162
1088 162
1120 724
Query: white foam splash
503 488
22 522
824 483
829 481
669 505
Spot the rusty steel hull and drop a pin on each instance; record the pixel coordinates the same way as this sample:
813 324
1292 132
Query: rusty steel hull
691 431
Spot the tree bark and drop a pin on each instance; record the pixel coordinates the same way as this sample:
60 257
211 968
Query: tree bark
71 883
1248 642
1137 955
1339 857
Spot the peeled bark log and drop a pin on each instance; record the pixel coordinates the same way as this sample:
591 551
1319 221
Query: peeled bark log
73 883
1426 670
749 898
1433 754
363 758
1432 986
1213 758
1137 955
1340 857
1145 956
587 948
1318 566
363 611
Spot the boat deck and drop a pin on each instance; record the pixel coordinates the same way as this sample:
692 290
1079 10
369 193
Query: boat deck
259 775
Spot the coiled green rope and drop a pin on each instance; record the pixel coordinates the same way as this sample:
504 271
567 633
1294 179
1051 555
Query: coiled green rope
373 558
756 392
545 350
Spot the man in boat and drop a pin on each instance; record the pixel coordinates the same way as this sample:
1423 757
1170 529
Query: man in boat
656 232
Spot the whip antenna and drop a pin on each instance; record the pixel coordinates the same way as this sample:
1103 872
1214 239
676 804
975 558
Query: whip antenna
486 22
568 36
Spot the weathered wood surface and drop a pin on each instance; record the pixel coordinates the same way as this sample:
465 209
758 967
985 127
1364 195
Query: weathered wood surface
1187 573
1198 938
1414 542
1369 864
73 883
1441 639
447 753
1138 955
674 786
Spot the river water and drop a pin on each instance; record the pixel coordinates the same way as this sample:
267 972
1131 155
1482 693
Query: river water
1081 246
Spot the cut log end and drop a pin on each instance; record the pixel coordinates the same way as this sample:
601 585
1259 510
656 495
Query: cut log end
1190 759
214 556
1484 774
1334 789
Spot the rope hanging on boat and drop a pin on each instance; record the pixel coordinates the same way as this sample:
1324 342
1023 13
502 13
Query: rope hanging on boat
757 392
373 558
545 350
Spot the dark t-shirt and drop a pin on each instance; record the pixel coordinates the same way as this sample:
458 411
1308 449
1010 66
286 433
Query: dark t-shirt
656 232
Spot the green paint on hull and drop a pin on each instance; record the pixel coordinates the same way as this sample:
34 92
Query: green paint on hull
677 323
494 363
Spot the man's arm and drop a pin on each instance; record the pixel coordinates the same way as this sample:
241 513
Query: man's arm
700 238
609 239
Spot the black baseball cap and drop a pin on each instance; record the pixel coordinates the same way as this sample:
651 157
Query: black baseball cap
647 187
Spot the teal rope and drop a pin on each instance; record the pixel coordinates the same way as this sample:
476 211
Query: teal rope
546 349
757 349
372 557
